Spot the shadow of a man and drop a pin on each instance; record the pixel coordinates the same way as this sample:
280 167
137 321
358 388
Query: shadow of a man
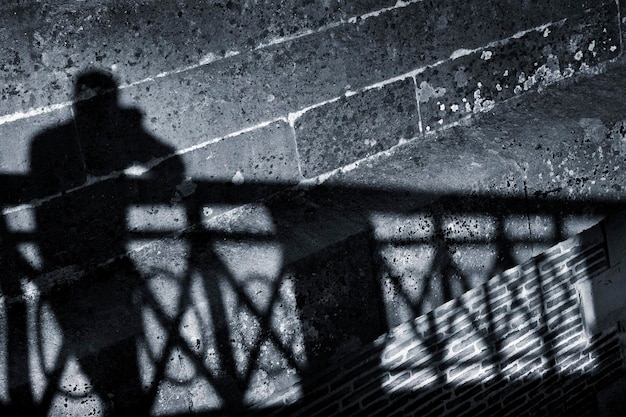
82 231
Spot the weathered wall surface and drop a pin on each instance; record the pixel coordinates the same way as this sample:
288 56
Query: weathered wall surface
202 71
220 306
517 345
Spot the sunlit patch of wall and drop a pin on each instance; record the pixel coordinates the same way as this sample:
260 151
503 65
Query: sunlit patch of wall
516 345
218 326
267 99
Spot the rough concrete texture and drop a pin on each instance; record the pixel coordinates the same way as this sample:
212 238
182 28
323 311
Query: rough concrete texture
157 259
256 299
480 80
353 128
224 67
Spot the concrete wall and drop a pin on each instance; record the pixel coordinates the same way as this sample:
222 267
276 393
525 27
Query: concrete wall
517 345
220 305
328 75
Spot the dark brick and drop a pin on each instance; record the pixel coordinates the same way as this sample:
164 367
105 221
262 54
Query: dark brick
594 266
552 252
558 297
467 346
464 394
563 314
363 370
532 281
354 127
514 405
329 410
535 302
349 411
373 379
602 338
417 351
448 308
496 292
334 399
499 306
586 255
471 411
358 393
524 340
492 411
374 406
369 355
527 367
467 329
435 412
320 391
604 379
610 356
460 370
549 264
563 304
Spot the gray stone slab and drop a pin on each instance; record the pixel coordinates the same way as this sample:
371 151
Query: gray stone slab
49 43
423 33
239 92
264 155
356 126
478 81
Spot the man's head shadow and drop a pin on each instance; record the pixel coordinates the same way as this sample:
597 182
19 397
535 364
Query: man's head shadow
81 164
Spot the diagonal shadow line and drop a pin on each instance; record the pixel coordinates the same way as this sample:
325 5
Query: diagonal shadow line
175 337
263 324
258 313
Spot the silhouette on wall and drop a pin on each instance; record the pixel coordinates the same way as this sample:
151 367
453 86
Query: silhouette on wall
81 176
83 229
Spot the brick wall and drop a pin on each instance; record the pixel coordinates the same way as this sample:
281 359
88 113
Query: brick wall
517 345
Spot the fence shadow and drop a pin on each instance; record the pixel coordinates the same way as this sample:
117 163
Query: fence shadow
128 293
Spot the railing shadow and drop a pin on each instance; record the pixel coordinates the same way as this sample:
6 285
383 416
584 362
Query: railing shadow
128 294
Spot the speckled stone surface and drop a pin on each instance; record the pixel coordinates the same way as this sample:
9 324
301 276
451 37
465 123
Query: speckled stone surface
221 106
50 42
239 92
240 159
480 80
354 127
425 32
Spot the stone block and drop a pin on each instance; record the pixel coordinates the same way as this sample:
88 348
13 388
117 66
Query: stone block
423 33
477 81
16 138
355 127
267 154
240 92
49 43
